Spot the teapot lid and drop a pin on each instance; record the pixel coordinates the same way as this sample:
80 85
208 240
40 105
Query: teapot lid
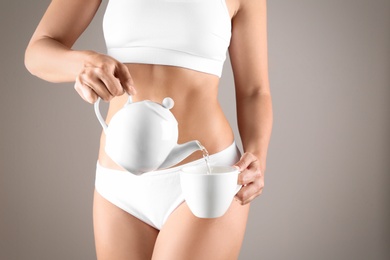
160 109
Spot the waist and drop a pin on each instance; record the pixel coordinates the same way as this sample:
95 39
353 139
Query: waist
228 156
193 91
197 110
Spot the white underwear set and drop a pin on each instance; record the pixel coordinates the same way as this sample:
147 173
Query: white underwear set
193 34
153 196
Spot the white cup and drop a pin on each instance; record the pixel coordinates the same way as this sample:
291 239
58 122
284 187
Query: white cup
209 195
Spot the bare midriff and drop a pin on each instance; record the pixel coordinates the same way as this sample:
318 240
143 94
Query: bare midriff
197 110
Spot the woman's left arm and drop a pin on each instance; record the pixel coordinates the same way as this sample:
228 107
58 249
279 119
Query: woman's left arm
249 59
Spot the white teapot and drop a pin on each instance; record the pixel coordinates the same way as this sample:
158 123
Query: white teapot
142 136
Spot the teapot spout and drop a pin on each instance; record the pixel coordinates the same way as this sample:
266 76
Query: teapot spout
180 152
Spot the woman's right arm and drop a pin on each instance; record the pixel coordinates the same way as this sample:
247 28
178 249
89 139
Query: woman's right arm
50 57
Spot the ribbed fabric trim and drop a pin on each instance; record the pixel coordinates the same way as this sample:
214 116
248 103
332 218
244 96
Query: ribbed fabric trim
148 55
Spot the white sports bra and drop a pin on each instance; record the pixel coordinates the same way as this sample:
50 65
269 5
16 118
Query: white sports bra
193 34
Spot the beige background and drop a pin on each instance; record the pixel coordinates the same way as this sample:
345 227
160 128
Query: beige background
327 183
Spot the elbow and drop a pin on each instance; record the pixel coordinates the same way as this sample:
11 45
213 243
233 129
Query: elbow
34 64
29 63
257 91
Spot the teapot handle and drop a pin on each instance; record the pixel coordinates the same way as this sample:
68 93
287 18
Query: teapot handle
129 100
99 115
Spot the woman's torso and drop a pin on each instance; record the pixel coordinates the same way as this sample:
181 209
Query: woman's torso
195 93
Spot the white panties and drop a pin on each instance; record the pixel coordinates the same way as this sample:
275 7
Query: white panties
152 196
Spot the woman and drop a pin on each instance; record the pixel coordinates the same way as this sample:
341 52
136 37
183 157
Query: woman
160 48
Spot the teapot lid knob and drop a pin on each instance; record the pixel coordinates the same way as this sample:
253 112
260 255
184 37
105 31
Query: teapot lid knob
168 103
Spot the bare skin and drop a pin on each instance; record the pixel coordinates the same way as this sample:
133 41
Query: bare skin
119 235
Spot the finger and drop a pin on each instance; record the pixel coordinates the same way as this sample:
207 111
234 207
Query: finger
85 92
109 81
91 81
125 79
245 161
112 84
249 192
250 174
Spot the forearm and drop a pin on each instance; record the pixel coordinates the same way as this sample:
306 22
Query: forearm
254 115
95 75
50 60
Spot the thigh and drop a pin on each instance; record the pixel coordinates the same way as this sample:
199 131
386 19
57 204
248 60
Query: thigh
185 236
119 235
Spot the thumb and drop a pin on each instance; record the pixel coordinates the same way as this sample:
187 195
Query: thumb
126 80
245 161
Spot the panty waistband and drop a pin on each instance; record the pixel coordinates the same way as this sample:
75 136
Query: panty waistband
228 151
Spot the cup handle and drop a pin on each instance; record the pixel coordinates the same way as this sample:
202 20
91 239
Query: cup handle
238 188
